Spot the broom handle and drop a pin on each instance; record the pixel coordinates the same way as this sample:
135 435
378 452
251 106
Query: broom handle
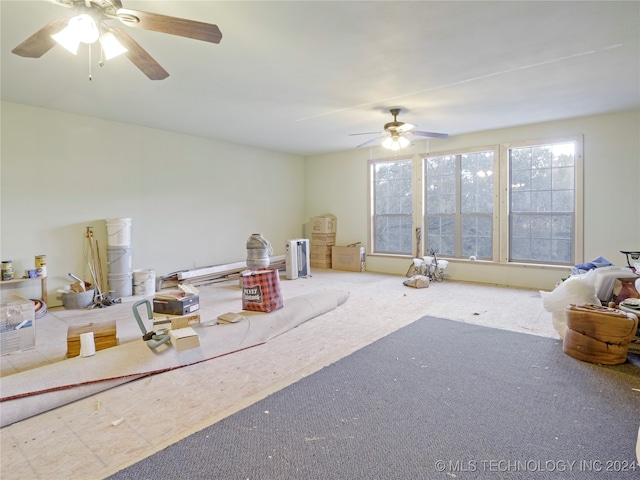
93 260
100 264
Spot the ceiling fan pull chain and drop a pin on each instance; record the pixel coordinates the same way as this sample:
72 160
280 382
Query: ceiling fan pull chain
90 78
101 62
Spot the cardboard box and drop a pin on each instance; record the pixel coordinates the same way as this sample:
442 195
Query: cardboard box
169 304
184 338
184 321
321 257
17 324
321 265
348 258
261 290
175 322
323 224
323 239
320 250
161 325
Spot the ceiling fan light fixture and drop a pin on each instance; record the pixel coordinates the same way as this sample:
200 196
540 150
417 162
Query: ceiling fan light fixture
85 28
397 134
67 39
88 25
395 142
111 46
81 28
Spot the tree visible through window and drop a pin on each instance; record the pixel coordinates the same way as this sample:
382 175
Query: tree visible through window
511 203
542 183
460 204
392 207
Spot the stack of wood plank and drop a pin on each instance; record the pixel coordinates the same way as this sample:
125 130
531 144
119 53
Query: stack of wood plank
214 274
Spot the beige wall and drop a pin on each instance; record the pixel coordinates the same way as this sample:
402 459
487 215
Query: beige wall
337 183
193 201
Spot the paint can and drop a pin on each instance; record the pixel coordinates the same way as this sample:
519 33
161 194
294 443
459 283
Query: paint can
120 284
259 252
7 270
144 282
119 259
41 261
41 265
118 232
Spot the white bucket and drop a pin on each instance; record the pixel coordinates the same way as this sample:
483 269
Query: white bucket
120 284
144 282
118 232
119 259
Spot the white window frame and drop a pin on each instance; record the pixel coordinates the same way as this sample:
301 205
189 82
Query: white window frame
458 215
501 199
371 247
578 227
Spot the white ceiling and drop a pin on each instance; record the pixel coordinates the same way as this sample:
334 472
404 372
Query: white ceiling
300 76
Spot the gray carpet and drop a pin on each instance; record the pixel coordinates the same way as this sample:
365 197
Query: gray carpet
436 399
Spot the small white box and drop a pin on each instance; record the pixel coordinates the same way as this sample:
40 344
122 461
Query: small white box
184 338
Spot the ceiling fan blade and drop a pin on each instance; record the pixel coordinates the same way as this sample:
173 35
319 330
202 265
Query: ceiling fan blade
40 42
367 133
374 141
206 32
405 127
139 56
429 134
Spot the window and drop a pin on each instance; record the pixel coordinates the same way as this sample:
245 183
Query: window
392 206
542 203
459 204
517 203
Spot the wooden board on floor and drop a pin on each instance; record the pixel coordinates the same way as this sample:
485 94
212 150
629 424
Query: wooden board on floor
104 336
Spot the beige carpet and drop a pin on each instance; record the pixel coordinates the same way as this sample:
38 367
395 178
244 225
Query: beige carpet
38 390
79 440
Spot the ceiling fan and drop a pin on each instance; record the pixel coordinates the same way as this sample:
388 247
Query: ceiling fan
396 135
88 25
